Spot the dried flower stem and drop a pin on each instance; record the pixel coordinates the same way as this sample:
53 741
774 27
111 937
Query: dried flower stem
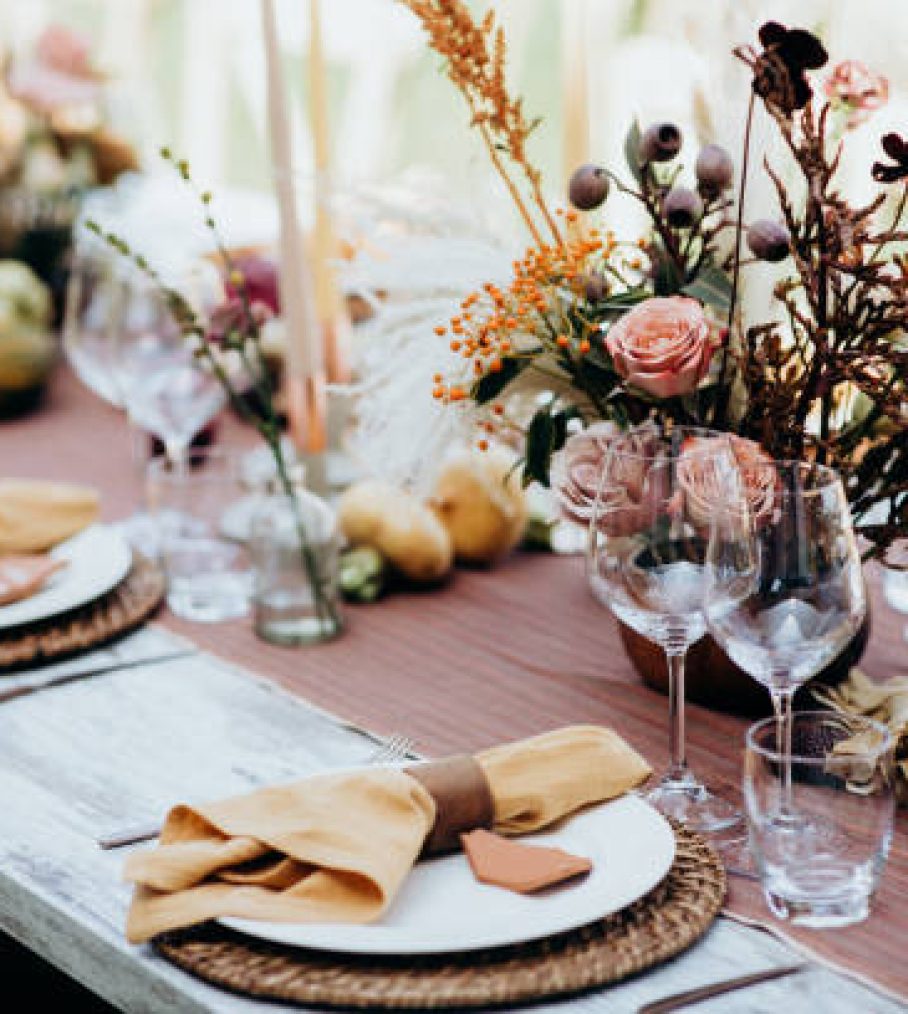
510 184
721 409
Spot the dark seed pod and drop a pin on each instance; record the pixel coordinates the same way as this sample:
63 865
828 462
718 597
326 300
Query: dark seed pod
588 187
715 170
768 240
682 207
595 288
660 142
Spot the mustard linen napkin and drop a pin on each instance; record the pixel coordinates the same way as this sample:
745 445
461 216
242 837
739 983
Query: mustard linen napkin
337 847
36 515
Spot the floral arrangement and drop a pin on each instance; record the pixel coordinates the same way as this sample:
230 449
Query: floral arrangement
592 328
52 130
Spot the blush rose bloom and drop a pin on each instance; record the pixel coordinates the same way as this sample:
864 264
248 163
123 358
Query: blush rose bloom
860 90
604 458
711 481
230 319
663 346
59 74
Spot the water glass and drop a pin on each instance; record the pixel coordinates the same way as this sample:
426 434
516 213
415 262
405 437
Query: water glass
209 577
820 841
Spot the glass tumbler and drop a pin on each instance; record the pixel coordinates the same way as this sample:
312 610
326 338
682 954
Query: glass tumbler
294 546
820 842
209 576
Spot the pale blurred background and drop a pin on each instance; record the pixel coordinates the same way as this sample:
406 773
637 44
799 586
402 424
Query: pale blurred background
190 73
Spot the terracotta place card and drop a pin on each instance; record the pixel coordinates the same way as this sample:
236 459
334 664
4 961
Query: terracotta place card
515 866
22 576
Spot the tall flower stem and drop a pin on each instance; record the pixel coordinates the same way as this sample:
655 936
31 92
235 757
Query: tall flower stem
324 607
719 416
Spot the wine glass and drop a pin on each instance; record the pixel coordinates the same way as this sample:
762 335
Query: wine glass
95 300
165 390
646 562
785 592
121 340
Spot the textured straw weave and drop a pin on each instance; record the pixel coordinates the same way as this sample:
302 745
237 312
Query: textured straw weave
668 920
122 609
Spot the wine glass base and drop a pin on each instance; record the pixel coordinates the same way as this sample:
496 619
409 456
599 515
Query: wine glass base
693 805
141 532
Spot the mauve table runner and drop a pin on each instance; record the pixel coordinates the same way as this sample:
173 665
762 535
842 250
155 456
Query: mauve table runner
495 655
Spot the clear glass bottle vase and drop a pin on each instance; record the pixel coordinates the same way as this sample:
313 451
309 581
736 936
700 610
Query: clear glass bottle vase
294 547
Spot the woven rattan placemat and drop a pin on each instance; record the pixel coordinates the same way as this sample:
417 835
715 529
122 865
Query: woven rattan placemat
122 609
668 920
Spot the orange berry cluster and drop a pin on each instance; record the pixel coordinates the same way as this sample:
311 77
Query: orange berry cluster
483 333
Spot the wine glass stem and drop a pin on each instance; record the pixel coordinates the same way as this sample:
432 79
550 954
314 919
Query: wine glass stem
782 706
175 452
677 740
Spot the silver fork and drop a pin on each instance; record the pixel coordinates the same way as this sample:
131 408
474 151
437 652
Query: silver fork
395 748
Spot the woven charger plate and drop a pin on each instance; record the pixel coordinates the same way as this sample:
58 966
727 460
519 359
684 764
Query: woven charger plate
652 930
122 609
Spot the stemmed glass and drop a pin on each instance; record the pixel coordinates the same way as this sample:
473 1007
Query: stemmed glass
646 562
785 593
165 391
123 343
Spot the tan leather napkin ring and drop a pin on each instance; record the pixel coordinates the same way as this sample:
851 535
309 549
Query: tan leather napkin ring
463 800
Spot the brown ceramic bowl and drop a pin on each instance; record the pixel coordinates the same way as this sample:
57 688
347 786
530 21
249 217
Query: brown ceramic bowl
713 680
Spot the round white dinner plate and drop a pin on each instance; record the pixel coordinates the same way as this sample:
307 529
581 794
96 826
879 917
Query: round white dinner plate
442 908
98 559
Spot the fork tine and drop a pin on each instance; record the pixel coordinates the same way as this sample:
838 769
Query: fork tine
394 748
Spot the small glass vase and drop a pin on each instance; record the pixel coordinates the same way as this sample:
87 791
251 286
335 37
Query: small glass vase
294 548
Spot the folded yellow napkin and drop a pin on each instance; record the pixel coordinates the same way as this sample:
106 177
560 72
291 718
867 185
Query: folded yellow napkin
36 515
336 847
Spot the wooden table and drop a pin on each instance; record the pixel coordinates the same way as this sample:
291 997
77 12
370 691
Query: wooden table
495 655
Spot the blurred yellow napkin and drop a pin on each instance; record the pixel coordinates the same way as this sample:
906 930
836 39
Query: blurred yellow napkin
36 515
336 847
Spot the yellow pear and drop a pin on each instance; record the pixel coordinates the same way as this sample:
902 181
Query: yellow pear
479 499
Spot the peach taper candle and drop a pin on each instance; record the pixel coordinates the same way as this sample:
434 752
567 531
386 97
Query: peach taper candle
304 364
332 318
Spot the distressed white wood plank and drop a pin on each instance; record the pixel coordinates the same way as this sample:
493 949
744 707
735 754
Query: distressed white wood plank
143 645
83 760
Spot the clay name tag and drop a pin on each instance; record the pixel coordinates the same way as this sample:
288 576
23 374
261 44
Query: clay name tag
24 576
519 867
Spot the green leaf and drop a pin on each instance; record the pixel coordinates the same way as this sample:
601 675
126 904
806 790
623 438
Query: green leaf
666 277
712 286
538 448
632 150
492 384
546 434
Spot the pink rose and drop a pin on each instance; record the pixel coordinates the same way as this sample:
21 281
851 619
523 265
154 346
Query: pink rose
65 50
260 281
860 90
230 320
711 481
59 74
615 467
663 346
